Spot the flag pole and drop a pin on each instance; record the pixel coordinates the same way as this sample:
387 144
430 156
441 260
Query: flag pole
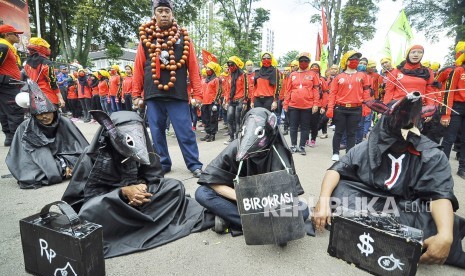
38 18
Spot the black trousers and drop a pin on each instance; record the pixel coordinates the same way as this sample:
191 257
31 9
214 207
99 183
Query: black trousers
95 103
314 124
264 102
457 123
64 94
299 117
234 118
323 125
127 102
11 114
86 104
210 118
346 119
75 107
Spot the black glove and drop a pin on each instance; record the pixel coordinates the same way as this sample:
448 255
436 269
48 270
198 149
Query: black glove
5 79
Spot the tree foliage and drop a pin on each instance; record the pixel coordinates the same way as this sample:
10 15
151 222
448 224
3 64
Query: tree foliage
349 25
72 27
243 24
286 59
435 17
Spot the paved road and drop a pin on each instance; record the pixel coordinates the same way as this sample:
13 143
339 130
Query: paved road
204 253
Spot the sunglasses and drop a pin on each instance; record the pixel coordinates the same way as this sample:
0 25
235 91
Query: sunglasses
15 34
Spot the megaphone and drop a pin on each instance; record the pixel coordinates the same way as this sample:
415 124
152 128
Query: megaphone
22 99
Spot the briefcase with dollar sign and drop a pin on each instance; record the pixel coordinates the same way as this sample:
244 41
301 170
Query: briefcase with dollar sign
61 244
393 250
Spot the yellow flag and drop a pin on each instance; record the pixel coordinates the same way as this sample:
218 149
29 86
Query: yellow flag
402 27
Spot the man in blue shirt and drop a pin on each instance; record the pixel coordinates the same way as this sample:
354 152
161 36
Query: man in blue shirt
62 81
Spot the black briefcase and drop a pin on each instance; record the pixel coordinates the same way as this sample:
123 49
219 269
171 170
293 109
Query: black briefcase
61 244
394 250
269 210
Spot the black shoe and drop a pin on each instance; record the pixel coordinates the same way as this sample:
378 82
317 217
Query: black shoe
221 226
229 141
302 150
285 132
205 138
461 173
293 149
7 142
197 173
210 139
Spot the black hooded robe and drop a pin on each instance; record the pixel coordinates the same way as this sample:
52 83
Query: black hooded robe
39 154
96 186
423 174
224 168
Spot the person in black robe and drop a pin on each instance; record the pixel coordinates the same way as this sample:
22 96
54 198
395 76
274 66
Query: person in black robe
45 147
407 175
262 148
118 183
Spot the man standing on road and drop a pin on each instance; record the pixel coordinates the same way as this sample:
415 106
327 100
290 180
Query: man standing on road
165 60
11 115
62 81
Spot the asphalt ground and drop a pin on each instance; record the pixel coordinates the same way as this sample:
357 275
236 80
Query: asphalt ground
205 253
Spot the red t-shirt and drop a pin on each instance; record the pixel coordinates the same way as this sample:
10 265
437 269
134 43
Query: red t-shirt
399 84
457 83
103 88
349 89
211 91
127 85
302 90
114 85
8 63
72 95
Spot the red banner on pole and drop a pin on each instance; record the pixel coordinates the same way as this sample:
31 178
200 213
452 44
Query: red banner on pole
325 27
207 57
318 47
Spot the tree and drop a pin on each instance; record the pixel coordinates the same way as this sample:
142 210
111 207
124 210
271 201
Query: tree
113 52
435 17
243 24
348 26
73 26
287 58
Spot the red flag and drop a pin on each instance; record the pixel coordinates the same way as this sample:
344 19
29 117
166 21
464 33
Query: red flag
318 47
207 57
325 27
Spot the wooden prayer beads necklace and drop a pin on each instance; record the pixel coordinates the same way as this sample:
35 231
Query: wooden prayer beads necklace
160 44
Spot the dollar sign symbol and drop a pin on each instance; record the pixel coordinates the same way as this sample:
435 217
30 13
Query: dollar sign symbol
365 247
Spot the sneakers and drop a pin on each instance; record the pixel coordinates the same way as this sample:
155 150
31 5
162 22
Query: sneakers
311 143
75 119
211 138
197 173
335 157
293 149
324 136
205 138
194 128
302 150
226 134
229 141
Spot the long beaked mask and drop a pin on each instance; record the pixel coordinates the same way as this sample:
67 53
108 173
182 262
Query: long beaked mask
38 102
127 138
405 115
259 128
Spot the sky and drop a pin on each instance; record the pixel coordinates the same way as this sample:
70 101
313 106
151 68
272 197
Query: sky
290 21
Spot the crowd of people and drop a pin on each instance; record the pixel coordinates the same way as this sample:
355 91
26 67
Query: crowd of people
388 113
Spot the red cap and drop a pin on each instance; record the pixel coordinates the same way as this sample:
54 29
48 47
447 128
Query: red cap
9 29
